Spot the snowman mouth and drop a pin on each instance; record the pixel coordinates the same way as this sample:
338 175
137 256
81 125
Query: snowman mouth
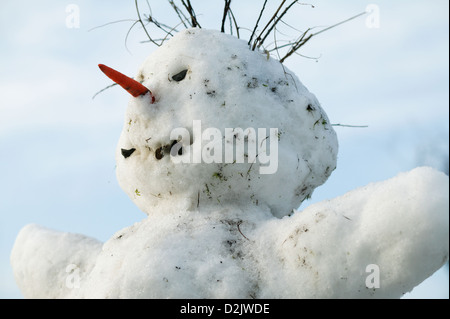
172 149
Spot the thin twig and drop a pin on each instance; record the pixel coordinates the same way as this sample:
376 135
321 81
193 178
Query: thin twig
159 25
309 57
128 33
276 46
239 229
342 22
109 86
191 12
169 33
124 20
165 38
235 24
297 45
257 22
149 8
225 12
282 33
142 23
275 23
275 41
179 13
267 25
159 40
302 41
290 43
231 22
290 26
104 25
345 125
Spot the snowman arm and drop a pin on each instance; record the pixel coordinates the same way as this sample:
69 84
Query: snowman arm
48 263
377 241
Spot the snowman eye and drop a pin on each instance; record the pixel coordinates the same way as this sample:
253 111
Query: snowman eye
180 76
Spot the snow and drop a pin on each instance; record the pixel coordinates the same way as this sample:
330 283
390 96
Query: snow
42 259
227 86
226 230
400 225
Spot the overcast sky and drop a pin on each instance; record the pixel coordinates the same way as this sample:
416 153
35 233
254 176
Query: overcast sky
57 144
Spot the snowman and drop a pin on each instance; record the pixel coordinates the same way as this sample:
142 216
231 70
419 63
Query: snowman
220 145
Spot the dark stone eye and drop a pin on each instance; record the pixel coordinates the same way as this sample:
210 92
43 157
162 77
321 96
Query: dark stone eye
180 76
127 153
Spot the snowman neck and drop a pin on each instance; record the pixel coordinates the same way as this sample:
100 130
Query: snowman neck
225 211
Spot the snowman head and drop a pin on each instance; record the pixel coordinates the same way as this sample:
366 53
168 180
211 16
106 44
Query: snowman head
213 123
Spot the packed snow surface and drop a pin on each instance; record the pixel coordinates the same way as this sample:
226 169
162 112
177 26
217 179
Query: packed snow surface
399 225
226 88
222 225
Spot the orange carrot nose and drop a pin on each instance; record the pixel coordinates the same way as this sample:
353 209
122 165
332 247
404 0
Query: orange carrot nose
130 85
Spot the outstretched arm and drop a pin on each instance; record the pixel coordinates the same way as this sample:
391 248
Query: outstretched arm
378 241
49 264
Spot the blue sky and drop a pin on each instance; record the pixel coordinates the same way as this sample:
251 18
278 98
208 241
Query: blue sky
58 144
